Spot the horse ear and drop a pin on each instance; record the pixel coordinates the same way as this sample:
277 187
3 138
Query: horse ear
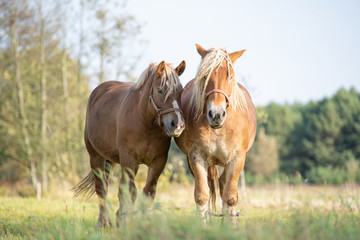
235 55
181 68
201 50
160 69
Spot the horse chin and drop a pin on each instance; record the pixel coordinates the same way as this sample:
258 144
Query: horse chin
174 134
216 125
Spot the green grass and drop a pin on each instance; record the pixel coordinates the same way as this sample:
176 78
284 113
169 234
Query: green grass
277 212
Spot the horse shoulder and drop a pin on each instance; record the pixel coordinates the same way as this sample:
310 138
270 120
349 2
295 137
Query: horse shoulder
145 145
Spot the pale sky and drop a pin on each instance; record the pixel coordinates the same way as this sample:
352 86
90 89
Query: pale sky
296 50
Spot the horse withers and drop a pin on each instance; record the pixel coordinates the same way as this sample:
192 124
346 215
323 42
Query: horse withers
131 124
220 128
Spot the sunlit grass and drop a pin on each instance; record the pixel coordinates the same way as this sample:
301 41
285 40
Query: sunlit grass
273 212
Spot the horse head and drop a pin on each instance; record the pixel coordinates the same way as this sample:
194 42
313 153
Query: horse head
218 77
165 96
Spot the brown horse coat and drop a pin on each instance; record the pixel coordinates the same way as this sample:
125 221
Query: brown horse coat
131 124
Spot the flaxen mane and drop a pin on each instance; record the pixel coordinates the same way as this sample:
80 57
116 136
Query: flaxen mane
210 62
170 78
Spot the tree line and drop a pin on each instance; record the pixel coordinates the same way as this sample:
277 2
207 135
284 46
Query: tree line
51 54
317 142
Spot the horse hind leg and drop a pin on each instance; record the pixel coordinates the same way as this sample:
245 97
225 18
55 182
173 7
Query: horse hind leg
126 188
101 169
222 181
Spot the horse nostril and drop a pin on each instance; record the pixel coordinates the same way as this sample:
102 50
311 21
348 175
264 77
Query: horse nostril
210 114
223 114
173 124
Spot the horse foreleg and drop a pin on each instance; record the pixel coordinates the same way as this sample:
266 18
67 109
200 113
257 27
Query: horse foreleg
202 191
229 186
152 178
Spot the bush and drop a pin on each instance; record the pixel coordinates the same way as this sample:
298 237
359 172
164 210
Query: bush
252 179
10 172
326 175
263 160
352 168
5 191
26 190
296 179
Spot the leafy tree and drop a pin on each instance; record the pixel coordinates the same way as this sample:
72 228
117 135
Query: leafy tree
263 159
318 134
44 87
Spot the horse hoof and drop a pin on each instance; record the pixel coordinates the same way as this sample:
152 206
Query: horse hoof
103 223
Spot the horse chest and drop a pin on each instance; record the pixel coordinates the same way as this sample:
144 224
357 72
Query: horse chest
146 152
218 149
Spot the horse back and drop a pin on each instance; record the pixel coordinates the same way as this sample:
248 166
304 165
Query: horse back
251 115
106 91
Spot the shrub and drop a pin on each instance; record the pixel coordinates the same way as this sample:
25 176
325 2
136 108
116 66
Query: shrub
352 168
263 160
26 190
326 175
296 179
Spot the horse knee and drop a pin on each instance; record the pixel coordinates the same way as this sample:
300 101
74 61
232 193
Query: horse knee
202 198
232 201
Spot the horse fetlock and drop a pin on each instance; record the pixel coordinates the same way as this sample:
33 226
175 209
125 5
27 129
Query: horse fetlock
202 209
104 220
229 211
120 217
150 192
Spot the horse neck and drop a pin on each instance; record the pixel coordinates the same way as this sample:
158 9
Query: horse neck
146 110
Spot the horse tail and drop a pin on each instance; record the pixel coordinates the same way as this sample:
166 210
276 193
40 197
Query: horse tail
85 187
213 180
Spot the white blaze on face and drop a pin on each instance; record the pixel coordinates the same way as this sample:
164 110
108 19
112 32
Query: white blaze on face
214 107
176 105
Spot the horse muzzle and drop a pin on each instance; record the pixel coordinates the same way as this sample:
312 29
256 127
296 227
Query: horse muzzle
174 127
177 132
216 118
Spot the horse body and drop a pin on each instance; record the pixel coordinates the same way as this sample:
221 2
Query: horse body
103 120
131 124
220 133
221 145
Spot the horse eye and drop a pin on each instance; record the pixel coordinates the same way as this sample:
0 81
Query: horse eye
159 90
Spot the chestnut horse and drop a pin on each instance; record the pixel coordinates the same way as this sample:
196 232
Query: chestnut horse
220 128
131 124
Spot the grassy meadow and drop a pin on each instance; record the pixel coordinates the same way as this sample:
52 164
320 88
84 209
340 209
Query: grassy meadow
269 212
